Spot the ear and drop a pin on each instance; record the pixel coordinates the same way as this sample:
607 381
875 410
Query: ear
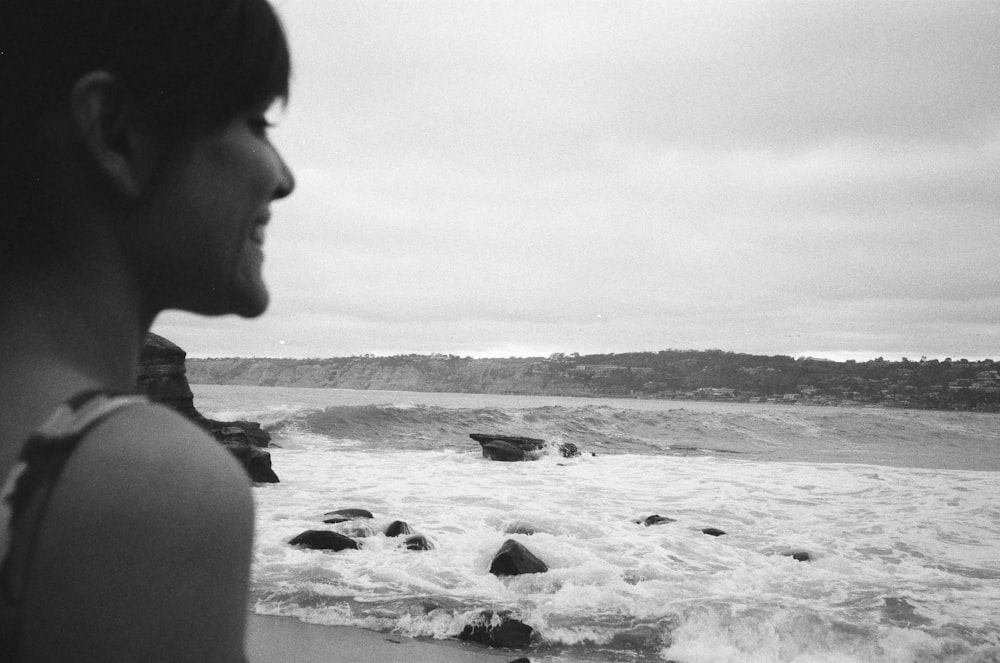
108 126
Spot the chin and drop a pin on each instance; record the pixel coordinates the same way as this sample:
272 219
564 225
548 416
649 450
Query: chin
243 304
251 306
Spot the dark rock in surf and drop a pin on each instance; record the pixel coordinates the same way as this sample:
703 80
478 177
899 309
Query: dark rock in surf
514 559
344 515
655 519
256 461
397 528
504 451
521 660
798 555
508 448
418 542
568 450
498 629
712 531
316 539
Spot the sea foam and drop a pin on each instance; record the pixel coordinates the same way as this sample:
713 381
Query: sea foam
906 560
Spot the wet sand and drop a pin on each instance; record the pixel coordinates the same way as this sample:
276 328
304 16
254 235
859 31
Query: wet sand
282 639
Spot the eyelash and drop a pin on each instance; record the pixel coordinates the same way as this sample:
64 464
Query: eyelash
259 125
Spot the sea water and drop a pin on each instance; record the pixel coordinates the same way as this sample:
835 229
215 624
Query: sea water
899 511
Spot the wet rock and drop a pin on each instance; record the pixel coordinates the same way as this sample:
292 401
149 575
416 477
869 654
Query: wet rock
255 461
508 448
315 539
521 660
568 450
498 629
798 555
514 559
655 519
344 515
397 528
418 542
712 531
503 451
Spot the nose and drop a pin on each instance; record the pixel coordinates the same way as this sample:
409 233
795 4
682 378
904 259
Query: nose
286 180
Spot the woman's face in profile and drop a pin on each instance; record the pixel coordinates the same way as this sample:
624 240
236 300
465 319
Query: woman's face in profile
207 217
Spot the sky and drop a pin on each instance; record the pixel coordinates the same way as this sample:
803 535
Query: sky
519 178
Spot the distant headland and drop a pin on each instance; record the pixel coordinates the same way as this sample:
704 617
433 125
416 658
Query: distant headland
949 384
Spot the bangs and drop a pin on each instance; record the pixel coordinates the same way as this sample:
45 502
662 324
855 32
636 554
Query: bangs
205 61
257 69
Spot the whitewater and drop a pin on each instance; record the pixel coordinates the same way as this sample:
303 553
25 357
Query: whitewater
898 510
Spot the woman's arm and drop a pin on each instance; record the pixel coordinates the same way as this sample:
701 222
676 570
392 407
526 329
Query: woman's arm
145 550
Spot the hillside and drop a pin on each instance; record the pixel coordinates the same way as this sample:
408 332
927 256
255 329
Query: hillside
675 374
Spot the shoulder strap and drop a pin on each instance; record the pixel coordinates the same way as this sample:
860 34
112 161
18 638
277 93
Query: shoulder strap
25 497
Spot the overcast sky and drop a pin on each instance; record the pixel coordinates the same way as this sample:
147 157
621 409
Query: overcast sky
521 178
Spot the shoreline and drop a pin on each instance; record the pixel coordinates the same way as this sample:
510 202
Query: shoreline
277 639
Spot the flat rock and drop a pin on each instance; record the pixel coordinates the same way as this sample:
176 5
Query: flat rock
655 519
343 515
508 448
713 531
504 451
316 539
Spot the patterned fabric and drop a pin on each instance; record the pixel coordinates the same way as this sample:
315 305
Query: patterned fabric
26 493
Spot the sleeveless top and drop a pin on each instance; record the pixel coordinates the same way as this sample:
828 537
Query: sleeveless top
26 493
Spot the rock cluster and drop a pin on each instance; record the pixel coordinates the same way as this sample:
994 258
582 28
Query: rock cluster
496 629
162 379
354 526
488 627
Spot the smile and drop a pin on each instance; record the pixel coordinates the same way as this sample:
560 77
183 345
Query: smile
257 233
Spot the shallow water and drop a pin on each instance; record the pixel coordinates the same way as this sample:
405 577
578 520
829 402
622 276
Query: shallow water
894 507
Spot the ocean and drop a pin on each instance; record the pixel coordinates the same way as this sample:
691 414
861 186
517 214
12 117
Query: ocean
899 511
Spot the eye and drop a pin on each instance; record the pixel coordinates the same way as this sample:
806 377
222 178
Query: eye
259 124
265 117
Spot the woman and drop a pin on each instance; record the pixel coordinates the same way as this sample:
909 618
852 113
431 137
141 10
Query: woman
137 177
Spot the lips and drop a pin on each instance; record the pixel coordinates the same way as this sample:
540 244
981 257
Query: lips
257 233
257 230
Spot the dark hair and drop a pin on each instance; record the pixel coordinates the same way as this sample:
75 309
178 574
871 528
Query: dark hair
210 58
188 62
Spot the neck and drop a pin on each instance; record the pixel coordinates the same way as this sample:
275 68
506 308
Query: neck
63 330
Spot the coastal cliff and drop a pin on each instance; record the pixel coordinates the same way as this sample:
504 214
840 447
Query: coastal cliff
672 374
402 373
162 378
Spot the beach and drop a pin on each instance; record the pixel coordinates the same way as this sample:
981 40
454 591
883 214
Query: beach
895 510
273 639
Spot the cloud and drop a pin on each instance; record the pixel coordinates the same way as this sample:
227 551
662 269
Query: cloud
751 176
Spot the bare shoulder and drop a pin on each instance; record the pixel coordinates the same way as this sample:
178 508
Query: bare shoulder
145 548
